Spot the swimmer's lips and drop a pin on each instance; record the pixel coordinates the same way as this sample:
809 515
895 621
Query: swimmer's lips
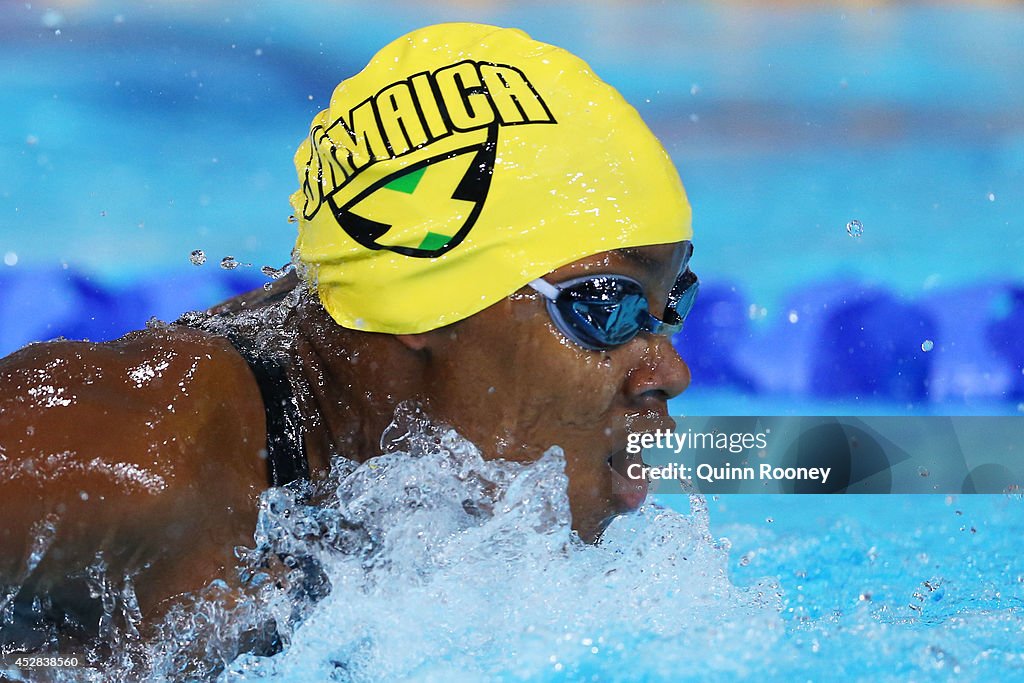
628 494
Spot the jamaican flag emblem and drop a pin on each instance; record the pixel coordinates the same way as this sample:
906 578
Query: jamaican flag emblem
424 209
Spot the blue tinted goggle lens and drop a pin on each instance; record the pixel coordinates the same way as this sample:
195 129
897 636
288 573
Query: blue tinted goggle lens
599 312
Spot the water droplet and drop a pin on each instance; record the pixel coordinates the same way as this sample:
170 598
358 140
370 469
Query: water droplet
923 471
991 196
274 273
229 263
769 519
10 258
793 317
694 89
293 219
197 257
103 213
927 345
855 228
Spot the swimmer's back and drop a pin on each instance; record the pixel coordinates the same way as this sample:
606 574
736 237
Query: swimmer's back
147 448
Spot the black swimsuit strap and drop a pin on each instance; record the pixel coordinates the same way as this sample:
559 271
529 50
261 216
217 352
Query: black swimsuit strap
286 451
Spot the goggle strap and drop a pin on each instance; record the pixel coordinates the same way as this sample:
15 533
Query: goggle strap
546 288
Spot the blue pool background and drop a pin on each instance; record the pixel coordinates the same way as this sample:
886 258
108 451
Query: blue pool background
131 136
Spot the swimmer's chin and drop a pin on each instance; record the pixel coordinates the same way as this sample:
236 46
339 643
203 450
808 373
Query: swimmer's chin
625 495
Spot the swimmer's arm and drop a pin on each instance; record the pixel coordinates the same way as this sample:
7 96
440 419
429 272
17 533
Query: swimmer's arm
145 450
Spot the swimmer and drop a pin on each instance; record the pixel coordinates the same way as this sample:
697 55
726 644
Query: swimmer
485 228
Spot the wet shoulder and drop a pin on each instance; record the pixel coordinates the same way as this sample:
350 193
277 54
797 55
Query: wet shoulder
149 448
169 360
169 391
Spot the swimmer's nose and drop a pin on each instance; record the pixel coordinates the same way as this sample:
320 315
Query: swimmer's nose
661 373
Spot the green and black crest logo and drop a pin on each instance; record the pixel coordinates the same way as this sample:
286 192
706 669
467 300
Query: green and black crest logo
426 209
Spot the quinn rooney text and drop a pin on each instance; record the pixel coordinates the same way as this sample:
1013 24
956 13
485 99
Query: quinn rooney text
710 473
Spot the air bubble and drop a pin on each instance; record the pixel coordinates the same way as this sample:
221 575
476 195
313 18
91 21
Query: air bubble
923 471
10 258
197 257
793 317
927 345
855 228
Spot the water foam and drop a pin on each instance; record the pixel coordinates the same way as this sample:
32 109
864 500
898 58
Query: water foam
431 562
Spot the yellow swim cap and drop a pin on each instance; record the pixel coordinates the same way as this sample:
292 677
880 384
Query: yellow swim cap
463 162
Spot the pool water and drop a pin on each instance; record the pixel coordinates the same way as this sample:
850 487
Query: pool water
170 129
132 136
432 564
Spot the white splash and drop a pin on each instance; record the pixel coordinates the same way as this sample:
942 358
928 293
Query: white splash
429 562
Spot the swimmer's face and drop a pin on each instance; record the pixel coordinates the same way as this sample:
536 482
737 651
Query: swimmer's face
513 384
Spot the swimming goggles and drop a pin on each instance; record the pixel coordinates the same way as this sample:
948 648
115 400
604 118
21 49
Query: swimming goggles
602 311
